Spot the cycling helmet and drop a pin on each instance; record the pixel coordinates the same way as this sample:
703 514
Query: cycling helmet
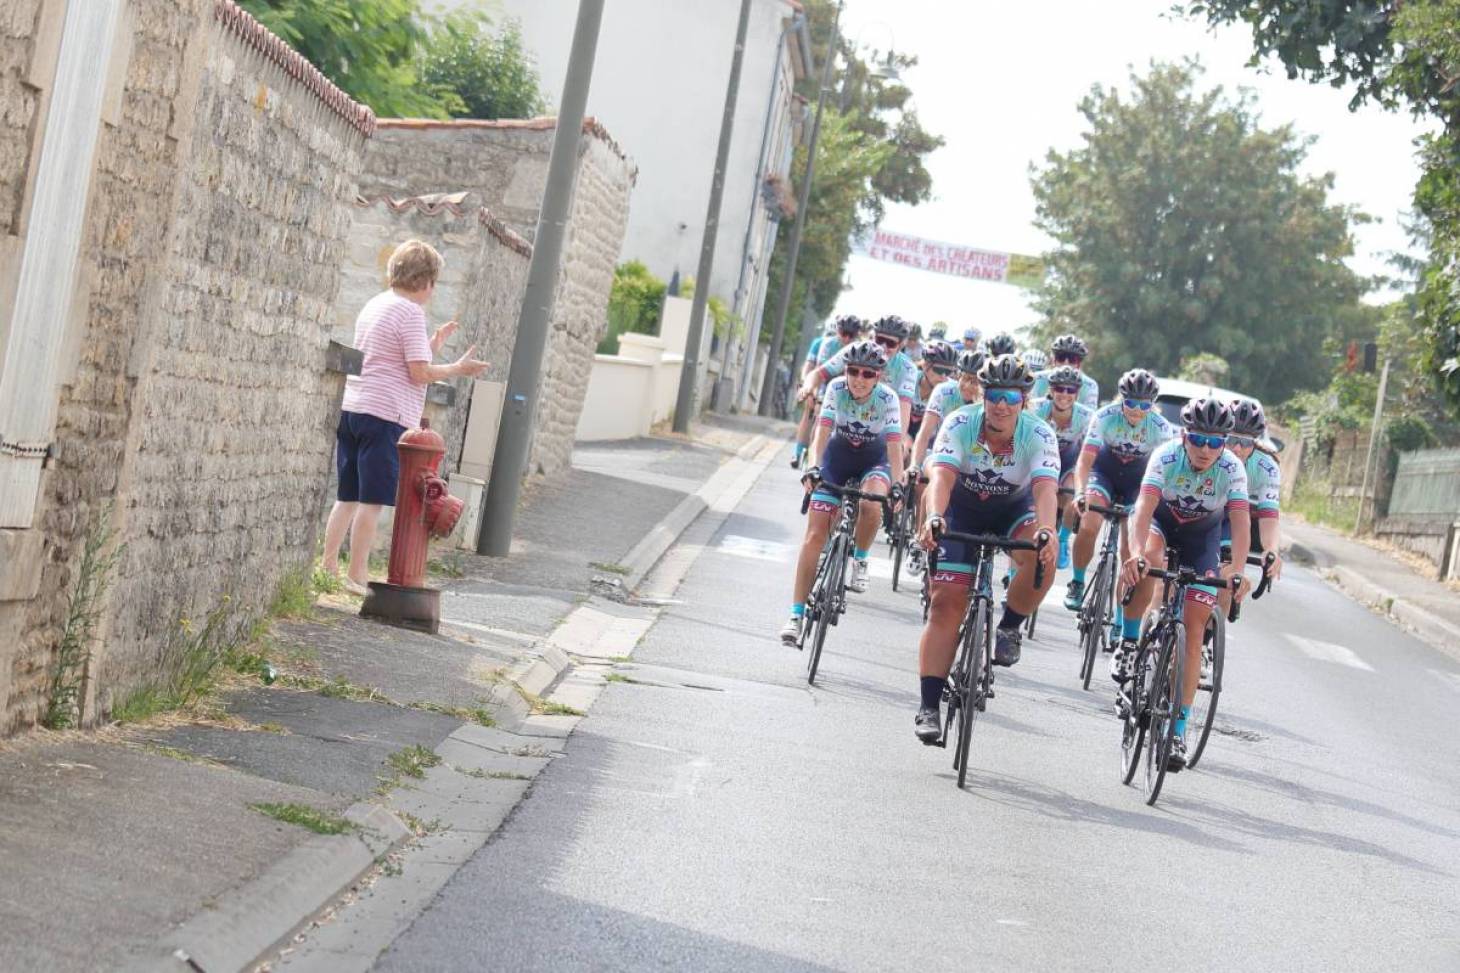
915 332
849 324
1036 360
1206 415
971 362
1001 344
940 353
1139 384
1064 375
971 333
891 325
1068 344
867 354
1005 372
1248 418
938 331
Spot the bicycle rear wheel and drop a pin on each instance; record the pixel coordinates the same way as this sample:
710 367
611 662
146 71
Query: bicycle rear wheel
828 590
975 645
1092 623
1204 706
1165 701
899 545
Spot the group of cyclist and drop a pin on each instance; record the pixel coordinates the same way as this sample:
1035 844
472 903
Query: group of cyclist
999 447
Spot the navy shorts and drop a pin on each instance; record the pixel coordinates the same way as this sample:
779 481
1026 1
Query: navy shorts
366 458
1199 544
1116 481
955 558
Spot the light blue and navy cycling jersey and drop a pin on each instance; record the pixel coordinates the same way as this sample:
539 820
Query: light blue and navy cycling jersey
1193 504
1089 395
861 432
1072 436
830 345
1264 485
994 491
814 349
945 399
901 374
1121 450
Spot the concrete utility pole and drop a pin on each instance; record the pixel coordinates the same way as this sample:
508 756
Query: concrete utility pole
783 306
689 372
524 378
1373 444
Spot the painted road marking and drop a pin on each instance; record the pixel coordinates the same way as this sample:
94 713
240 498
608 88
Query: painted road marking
1329 652
754 547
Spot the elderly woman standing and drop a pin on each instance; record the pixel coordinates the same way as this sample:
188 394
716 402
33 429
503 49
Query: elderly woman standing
384 400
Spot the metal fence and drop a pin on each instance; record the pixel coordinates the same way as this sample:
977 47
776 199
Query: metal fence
1427 485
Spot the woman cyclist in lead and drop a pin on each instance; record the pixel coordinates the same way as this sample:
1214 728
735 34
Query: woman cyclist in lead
858 443
1190 486
994 470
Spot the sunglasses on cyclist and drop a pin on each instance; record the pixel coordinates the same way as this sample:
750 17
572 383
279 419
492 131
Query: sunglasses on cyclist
1243 442
1206 442
1143 404
1003 396
941 372
1067 359
1065 389
854 372
886 341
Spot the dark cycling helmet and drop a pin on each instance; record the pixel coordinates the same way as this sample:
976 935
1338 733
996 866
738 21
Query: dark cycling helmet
849 324
1005 372
1036 360
971 362
1064 375
938 331
1139 384
1206 415
1248 418
940 353
1001 344
891 325
866 354
1068 344
915 332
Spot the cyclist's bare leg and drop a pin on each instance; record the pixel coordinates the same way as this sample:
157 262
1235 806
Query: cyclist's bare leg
1023 597
869 516
939 641
803 429
1089 535
1146 589
818 525
1195 614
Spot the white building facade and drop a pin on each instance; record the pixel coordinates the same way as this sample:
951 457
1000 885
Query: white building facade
659 86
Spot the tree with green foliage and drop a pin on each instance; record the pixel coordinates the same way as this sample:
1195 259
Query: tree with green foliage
872 151
635 303
1183 226
1399 55
370 50
490 73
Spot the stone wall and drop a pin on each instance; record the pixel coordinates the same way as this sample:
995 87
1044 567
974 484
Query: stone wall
480 287
198 407
504 164
19 27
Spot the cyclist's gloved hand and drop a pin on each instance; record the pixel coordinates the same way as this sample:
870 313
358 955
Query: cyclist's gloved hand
1133 570
811 477
1047 551
931 530
895 495
1082 504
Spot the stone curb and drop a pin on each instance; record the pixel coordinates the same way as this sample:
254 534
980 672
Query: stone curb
1428 626
259 917
645 554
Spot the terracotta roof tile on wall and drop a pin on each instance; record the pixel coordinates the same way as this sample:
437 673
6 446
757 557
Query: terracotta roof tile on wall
591 126
238 22
435 204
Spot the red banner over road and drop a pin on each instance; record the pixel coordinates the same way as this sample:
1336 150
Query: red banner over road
951 258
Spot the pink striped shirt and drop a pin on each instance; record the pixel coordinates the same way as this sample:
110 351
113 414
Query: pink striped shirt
391 331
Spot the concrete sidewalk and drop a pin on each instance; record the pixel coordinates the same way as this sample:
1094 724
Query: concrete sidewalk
1372 576
379 761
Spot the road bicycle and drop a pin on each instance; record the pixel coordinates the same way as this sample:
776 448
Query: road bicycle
971 681
1213 658
1097 611
828 598
902 530
1149 712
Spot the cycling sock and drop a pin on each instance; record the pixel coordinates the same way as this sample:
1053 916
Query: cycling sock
1181 718
1080 575
798 609
1011 619
1131 628
860 554
800 450
932 687
1064 535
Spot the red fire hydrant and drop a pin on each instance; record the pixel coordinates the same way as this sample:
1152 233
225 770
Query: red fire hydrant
423 509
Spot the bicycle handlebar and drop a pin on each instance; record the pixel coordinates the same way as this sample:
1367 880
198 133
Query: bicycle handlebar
1114 512
1185 576
842 492
991 540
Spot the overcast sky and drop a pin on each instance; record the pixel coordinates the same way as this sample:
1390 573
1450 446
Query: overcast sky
1000 82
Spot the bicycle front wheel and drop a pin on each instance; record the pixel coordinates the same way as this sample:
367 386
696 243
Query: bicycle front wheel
828 589
1204 706
899 547
1092 623
1165 702
1133 730
975 648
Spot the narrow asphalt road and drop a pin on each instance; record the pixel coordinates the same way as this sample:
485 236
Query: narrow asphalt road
719 814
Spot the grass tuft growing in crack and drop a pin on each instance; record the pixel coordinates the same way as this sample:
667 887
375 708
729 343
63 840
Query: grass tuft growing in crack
320 822
412 761
68 671
479 714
